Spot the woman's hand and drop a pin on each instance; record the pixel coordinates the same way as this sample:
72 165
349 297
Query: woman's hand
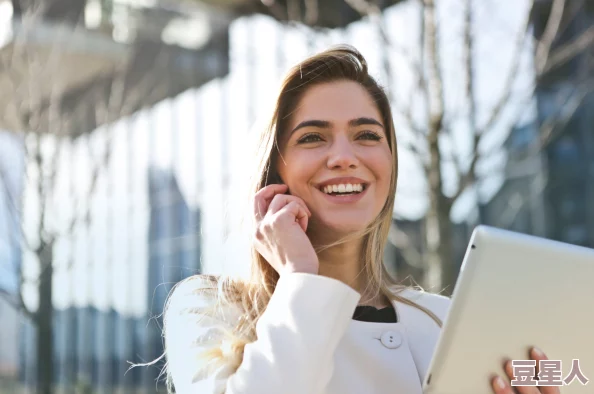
503 386
281 222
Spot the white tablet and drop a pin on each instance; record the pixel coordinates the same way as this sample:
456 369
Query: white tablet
516 291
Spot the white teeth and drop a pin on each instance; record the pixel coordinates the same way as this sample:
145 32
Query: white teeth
343 188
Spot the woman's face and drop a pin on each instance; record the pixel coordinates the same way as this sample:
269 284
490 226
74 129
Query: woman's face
335 156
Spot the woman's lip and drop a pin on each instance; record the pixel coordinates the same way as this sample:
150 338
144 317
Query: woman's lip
345 199
342 180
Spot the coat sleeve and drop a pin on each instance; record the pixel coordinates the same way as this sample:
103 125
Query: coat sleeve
297 335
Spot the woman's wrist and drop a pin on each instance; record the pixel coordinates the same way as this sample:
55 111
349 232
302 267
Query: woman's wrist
302 268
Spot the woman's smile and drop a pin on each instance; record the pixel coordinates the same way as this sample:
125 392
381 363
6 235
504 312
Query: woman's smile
344 190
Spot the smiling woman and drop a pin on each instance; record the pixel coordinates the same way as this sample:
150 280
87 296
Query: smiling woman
320 314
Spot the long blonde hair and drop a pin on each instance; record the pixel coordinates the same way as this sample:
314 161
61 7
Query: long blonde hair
252 296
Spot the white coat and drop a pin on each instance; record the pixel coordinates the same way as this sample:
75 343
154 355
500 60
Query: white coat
307 343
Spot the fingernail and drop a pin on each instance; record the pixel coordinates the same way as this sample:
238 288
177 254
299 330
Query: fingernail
499 382
537 352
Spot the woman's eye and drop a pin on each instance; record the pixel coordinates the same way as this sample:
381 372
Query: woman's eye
309 138
370 135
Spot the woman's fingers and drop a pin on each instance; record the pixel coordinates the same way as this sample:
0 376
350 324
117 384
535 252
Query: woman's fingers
280 231
509 369
280 200
538 356
264 196
295 209
501 386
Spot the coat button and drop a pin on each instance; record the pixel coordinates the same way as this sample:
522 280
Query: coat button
391 339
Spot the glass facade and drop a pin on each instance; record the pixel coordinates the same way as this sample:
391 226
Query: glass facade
11 184
568 192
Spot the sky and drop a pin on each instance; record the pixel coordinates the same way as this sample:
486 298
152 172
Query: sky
203 135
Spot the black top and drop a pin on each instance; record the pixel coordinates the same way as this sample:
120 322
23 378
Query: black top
372 314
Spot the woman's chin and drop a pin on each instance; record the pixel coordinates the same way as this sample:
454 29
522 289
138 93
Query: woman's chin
340 228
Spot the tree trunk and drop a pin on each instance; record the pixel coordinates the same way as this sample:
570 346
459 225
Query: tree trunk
438 228
441 274
44 320
438 236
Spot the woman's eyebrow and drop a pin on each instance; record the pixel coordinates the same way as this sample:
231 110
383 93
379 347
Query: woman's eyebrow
324 124
365 121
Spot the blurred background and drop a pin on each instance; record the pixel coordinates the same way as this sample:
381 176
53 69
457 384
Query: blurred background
124 127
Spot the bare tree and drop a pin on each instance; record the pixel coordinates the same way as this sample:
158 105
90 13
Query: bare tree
51 110
434 143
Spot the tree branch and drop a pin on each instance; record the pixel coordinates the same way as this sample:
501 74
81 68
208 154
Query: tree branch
435 81
550 33
374 13
468 177
469 65
509 81
420 156
453 157
568 51
569 104
12 205
559 120
406 113
435 106
17 302
515 203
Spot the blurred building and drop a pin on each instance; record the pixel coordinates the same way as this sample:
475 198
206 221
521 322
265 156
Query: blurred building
92 350
175 251
570 155
548 192
11 182
94 347
144 236
519 205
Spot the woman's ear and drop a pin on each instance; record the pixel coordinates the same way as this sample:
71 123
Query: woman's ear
276 178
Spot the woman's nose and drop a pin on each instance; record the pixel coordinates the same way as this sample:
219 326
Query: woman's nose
342 154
